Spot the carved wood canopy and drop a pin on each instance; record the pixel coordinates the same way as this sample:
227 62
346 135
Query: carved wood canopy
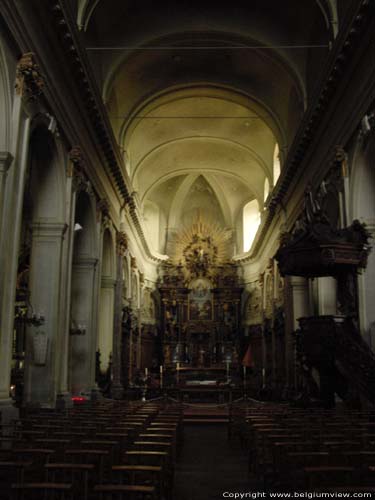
315 249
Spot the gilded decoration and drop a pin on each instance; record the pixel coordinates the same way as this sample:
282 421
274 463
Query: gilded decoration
201 248
29 82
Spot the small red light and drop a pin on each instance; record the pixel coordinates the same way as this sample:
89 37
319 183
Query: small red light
78 399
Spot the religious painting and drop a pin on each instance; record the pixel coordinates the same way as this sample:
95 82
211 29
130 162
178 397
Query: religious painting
200 301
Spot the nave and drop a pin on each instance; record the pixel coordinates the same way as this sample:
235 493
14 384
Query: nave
111 450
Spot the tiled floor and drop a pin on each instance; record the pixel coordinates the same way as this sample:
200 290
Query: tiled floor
210 465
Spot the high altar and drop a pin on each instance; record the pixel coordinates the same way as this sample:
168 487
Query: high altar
200 298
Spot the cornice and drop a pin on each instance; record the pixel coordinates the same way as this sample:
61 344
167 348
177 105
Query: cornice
77 60
343 52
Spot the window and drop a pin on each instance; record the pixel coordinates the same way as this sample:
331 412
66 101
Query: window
266 188
251 221
276 164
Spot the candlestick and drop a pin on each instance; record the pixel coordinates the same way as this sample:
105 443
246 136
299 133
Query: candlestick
161 376
178 373
227 371
146 372
244 372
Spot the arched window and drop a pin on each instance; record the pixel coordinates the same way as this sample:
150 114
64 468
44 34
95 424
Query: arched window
251 221
266 188
151 217
276 164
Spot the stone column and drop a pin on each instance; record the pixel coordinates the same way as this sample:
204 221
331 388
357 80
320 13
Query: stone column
117 387
106 307
67 264
297 306
45 275
83 346
6 340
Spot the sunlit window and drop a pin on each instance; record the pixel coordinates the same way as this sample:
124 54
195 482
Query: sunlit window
276 164
266 188
251 221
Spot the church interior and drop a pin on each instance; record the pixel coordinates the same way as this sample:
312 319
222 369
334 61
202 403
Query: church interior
187 279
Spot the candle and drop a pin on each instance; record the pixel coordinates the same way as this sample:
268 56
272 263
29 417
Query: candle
146 372
244 372
178 373
161 369
227 370
161 376
264 377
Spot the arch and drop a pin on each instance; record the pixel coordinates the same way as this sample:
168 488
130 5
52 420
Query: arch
46 176
182 192
43 226
330 14
256 193
84 12
203 89
280 60
85 244
84 293
254 156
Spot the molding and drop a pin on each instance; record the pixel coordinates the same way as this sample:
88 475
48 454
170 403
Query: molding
343 53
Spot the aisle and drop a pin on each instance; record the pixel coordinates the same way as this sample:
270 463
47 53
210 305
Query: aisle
209 465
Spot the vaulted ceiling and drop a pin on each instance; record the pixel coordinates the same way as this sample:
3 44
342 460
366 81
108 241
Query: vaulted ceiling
198 94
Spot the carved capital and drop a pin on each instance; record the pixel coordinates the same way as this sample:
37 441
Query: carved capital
341 158
77 159
29 82
121 243
133 263
76 169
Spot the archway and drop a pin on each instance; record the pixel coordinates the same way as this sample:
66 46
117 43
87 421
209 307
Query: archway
41 255
83 292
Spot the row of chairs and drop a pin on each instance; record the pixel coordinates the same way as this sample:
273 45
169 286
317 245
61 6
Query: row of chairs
312 449
104 450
